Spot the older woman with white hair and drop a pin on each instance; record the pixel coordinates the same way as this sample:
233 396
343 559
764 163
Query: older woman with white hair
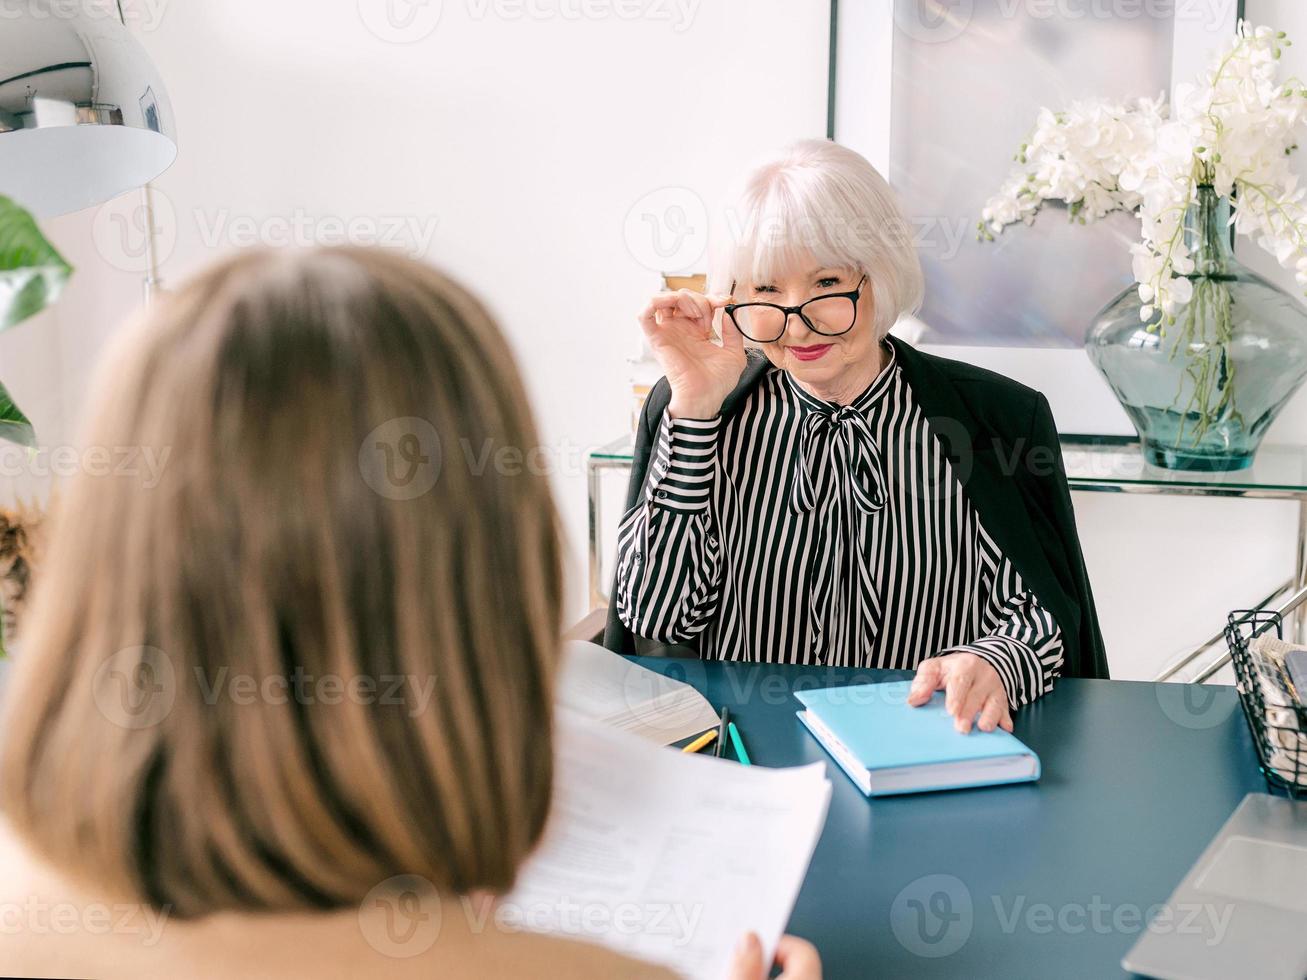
809 489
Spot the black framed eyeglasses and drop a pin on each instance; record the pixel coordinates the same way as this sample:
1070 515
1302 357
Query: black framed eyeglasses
829 315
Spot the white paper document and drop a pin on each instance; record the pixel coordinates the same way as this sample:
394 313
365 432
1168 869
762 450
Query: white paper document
667 857
608 688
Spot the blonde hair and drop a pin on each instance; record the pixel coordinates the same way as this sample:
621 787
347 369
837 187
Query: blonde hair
817 200
271 549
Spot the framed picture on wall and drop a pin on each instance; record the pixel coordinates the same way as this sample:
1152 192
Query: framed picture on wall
939 95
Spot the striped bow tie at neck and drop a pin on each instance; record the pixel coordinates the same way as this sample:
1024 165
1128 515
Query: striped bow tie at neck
837 451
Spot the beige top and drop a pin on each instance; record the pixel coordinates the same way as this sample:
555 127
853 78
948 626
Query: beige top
49 928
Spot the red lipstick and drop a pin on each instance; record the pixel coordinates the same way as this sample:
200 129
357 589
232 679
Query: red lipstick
810 353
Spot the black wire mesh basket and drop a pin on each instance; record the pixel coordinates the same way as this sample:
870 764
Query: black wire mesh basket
1276 717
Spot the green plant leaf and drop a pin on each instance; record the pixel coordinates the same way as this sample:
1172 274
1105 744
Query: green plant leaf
32 272
14 425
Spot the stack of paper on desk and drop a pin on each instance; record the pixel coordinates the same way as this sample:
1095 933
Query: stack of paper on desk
610 689
667 857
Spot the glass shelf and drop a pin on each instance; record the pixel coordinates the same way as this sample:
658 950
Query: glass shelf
1116 464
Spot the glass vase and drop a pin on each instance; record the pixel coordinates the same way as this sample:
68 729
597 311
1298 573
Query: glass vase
1203 391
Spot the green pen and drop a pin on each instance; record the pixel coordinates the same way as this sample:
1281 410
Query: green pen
738 743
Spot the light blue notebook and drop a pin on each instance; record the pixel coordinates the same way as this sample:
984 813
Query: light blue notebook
885 746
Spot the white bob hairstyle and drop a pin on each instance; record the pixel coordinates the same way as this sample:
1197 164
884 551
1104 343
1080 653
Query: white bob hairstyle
816 202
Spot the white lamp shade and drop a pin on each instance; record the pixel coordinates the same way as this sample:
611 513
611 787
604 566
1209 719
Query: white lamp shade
84 115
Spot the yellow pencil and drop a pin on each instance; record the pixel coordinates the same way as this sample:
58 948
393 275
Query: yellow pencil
704 739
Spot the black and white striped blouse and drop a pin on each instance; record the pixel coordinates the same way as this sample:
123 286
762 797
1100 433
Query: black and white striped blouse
800 531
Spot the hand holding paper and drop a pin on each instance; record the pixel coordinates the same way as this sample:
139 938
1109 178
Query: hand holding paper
668 857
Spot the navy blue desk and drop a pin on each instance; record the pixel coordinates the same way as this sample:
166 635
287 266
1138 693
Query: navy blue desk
1053 879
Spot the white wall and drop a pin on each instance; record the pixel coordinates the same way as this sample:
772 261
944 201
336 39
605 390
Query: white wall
514 150
517 136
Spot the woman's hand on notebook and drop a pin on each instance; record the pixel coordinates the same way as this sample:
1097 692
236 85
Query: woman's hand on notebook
796 957
972 687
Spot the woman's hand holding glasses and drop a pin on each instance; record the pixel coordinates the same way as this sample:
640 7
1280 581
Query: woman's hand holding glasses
700 371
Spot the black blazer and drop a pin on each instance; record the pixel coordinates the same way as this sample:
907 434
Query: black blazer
1000 439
